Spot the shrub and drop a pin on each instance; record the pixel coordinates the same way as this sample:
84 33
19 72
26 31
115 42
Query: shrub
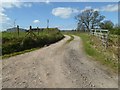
10 48
28 43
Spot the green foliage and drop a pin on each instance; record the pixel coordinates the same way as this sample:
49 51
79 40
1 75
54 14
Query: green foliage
10 48
115 31
28 43
12 43
106 25
88 19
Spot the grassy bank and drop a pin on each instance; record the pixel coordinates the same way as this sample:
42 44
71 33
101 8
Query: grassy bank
97 53
18 53
12 44
71 38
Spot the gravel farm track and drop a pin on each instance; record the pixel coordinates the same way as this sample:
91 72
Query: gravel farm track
59 65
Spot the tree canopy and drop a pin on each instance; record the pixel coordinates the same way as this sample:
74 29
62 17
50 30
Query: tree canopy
88 19
107 24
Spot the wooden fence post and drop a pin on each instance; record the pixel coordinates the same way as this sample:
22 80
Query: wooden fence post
30 28
18 30
38 30
30 31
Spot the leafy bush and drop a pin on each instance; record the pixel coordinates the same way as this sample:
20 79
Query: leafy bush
28 43
10 48
115 30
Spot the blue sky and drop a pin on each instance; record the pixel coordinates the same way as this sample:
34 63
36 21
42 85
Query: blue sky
60 14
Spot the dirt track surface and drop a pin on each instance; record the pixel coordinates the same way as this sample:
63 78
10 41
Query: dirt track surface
60 65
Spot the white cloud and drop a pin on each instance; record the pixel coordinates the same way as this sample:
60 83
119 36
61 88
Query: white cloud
86 8
64 12
89 7
107 8
8 4
47 1
110 8
36 21
70 0
96 9
27 5
14 3
4 18
11 4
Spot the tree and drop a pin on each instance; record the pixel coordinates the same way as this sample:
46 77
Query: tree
80 26
115 30
89 18
106 25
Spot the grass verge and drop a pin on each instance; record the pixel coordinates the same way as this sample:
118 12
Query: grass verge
71 38
91 51
18 53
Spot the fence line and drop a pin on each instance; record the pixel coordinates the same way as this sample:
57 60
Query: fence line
102 34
